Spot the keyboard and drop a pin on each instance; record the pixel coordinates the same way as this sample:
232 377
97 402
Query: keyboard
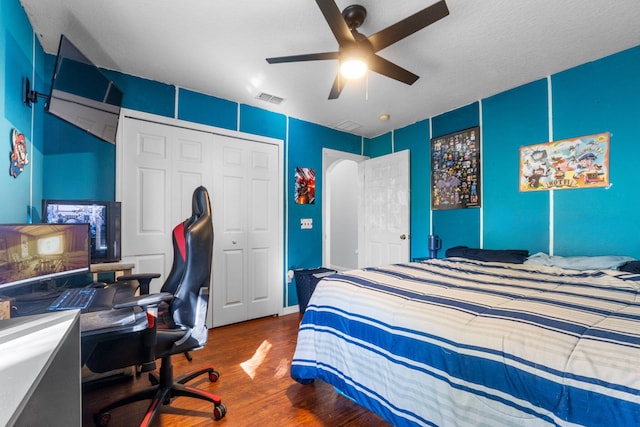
85 299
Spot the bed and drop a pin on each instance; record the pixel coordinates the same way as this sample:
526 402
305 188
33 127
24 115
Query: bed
461 342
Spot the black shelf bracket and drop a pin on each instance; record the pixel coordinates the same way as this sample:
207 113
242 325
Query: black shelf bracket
30 96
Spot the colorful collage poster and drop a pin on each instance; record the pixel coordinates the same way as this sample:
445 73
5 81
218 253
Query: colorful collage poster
305 186
455 170
566 164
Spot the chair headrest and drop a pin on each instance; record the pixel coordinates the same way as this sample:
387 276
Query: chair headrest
200 204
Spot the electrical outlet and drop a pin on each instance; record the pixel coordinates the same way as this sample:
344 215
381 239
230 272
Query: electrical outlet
306 223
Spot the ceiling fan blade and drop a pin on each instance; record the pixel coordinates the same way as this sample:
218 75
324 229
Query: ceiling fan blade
408 26
336 22
389 69
300 58
338 85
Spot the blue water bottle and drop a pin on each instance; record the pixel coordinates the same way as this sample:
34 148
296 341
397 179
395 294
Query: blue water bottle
435 244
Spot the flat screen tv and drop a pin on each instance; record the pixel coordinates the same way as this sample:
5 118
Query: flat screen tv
38 253
82 95
103 218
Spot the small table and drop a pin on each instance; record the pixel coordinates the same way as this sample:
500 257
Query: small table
119 268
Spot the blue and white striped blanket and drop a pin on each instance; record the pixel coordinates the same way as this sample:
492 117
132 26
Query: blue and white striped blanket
456 342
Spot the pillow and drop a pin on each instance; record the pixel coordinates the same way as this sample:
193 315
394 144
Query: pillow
631 267
579 262
511 256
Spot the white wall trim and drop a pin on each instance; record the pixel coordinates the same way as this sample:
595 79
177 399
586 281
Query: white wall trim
430 174
176 103
551 193
286 213
393 141
292 309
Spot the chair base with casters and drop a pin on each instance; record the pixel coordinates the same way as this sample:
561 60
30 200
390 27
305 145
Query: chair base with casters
166 388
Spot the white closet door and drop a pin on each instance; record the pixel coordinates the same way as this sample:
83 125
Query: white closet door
247 272
160 164
160 167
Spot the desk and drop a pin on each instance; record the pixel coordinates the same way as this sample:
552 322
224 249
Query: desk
92 324
40 377
119 268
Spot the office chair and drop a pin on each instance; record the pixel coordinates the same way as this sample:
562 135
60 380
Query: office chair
185 293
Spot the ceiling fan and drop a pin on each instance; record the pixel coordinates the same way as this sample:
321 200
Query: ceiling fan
354 46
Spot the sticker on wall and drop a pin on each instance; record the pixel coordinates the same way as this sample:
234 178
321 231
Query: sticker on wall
455 170
305 180
566 164
18 155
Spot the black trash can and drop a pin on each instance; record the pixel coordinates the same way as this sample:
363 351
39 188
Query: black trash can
306 281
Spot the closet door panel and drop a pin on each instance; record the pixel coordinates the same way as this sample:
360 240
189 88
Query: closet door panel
160 167
145 181
229 216
263 222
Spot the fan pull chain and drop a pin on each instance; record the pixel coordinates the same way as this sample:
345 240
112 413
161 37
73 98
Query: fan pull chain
366 87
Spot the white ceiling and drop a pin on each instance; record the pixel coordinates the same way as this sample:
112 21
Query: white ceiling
219 48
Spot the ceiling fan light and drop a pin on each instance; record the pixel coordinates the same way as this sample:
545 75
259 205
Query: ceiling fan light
353 68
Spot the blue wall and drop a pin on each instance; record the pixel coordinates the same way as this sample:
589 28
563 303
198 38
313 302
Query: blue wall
599 96
18 194
595 97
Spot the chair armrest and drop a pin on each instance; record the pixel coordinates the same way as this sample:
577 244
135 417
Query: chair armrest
144 300
150 305
143 279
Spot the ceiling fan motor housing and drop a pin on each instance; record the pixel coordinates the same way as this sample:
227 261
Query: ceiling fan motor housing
354 15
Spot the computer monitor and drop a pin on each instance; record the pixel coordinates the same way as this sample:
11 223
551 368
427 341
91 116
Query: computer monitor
38 253
102 216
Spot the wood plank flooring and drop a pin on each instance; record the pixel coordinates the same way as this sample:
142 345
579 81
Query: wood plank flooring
253 359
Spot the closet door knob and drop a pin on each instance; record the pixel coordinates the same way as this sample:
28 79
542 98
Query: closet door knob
233 242
403 237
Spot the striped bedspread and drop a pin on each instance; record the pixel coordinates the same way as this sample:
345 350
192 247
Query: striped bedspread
454 342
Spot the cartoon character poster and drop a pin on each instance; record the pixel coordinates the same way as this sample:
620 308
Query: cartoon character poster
18 156
455 170
566 164
305 181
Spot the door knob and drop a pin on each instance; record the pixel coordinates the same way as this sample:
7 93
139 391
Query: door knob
233 242
403 237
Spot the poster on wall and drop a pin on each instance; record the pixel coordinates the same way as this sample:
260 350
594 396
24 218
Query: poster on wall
305 188
455 170
566 164
18 156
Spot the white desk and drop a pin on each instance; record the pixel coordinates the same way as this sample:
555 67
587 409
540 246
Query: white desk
39 375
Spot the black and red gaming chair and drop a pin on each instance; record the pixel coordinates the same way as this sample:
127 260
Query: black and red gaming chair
185 295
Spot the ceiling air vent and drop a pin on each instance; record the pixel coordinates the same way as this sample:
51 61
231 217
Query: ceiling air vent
267 97
348 126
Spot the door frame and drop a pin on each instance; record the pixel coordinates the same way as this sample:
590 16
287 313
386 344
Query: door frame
128 114
330 158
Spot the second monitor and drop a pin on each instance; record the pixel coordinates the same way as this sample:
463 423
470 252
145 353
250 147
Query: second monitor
103 218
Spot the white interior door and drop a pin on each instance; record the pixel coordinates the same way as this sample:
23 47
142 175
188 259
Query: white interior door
384 210
247 274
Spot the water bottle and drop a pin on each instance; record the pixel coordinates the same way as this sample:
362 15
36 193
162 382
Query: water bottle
435 244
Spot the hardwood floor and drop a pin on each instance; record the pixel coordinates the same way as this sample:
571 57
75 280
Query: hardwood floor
253 359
